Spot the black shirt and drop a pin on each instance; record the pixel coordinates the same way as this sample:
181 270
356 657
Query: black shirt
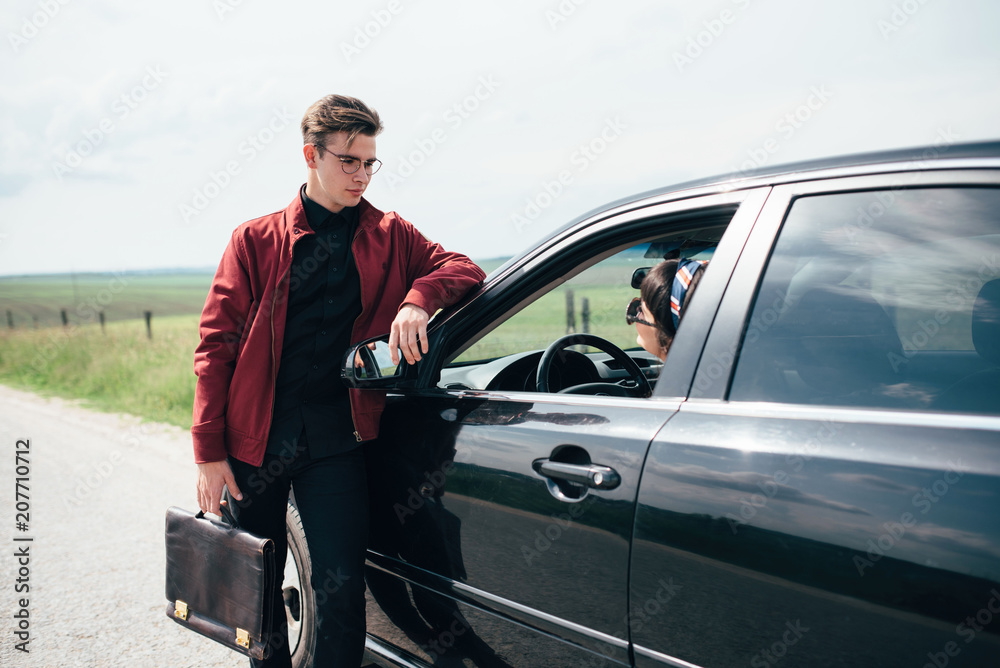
324 298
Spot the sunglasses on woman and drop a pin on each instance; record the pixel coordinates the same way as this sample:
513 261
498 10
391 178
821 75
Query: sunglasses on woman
633 313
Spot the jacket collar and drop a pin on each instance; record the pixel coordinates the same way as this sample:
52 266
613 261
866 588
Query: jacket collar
295 217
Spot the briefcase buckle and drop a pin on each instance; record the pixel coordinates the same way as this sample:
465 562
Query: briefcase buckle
243 638
180 609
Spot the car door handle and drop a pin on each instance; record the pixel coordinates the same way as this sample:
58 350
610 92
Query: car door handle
594 476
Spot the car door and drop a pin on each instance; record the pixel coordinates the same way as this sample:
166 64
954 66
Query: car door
828 495
502 516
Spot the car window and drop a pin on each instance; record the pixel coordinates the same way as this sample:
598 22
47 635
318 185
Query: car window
592 301
883 299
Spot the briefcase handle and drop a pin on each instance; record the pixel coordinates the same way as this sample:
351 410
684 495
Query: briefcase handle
225 513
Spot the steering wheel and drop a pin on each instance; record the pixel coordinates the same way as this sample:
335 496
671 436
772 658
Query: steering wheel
641 389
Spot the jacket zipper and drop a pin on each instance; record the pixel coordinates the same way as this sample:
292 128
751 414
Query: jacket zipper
274 359
361 289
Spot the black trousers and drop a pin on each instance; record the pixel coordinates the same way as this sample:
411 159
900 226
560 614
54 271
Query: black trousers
332 498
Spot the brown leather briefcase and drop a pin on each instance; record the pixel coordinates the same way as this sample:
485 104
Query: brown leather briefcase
220 580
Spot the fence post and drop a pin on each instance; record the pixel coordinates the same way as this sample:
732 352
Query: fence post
10 319
585 315
65 319
570 315
149 325
101 318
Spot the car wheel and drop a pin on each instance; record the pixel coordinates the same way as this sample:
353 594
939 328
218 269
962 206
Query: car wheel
300 599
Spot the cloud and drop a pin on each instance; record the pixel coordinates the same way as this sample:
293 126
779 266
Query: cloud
951 540
872 482
560 82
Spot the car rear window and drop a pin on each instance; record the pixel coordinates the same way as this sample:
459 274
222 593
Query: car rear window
882 299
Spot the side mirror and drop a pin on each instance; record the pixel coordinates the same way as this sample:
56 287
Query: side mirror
369 365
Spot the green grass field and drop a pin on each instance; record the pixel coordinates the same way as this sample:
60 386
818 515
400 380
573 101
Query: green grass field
117 370
37 300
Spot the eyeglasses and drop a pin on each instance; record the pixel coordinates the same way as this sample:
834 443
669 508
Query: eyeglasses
350 164
633 313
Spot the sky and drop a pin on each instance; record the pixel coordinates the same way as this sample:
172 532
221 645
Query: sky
137 136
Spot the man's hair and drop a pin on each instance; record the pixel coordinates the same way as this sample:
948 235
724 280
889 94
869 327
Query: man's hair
339 113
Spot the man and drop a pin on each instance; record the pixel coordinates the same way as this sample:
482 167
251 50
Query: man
293 291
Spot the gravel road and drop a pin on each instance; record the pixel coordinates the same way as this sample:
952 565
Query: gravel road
99 487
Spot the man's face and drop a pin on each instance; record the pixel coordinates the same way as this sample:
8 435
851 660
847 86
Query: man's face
327 184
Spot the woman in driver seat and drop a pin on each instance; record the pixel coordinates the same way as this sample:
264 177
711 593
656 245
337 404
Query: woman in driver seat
665 292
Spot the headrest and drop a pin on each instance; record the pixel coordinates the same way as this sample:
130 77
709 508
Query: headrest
844 340
986 322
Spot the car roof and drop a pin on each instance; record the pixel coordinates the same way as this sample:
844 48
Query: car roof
944 155
906 159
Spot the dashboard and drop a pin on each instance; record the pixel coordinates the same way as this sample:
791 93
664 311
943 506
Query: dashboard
517 372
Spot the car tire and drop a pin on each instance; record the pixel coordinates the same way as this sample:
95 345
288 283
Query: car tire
300 599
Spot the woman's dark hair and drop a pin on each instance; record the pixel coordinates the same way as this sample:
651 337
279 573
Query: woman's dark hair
655 292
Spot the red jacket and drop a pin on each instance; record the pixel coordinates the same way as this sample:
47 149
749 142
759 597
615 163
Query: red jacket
243 322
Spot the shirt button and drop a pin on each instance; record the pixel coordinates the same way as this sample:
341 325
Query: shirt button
305 401
335 269
323 332
334 236
316 366
329 301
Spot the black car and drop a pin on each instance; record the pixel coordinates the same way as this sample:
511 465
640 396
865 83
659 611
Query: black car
814 480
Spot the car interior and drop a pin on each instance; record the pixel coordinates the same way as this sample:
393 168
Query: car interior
573 334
